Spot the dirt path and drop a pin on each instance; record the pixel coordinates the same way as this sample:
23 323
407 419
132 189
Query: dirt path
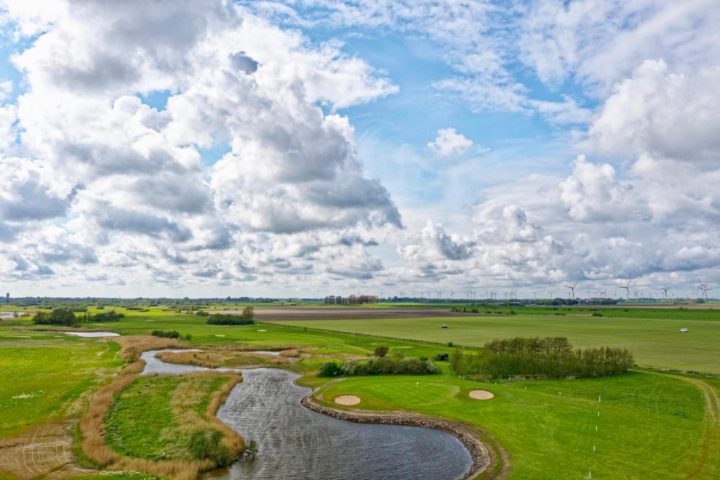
711 423
45 451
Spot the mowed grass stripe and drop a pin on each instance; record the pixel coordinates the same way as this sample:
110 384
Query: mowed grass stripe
550 426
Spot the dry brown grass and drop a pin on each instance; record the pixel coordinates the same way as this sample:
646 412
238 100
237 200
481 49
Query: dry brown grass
134 346
226 358
37 453
291 353
231 439
92 425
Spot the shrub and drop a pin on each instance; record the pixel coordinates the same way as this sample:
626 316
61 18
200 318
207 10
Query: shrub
379 366
111 316
228 319
381 351
329 369
166 333
205 444
551 357
597 314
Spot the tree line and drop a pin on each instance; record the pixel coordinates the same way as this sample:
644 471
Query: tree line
379 366
246 318
551 357
66 317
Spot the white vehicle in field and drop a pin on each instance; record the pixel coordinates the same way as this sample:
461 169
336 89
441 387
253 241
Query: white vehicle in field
684 330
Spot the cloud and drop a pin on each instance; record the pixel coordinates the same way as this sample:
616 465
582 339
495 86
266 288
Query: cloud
126 181
598 42
104 140
448 143
663 114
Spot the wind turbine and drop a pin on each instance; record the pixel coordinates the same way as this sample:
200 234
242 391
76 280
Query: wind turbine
703 289
665 290
572 290
627 289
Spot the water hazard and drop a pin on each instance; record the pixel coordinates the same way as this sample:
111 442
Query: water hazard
295 443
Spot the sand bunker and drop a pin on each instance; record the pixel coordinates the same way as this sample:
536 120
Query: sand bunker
480 395
347 400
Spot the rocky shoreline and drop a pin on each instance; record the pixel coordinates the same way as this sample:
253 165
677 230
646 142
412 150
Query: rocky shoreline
482 456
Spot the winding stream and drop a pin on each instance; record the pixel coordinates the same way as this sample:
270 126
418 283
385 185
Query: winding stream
295 443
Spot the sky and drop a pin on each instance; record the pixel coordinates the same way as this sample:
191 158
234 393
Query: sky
301 148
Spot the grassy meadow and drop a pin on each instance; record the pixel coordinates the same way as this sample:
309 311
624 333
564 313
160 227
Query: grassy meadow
155 416
655 341
42 375
643 424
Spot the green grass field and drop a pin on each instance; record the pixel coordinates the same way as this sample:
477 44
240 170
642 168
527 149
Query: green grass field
549 427
41 375
655 342
651 425
155 416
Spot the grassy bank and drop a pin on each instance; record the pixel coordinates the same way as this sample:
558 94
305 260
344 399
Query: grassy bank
549 427
162 424
155 417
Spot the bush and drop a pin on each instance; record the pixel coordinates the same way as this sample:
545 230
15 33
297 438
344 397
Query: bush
59 316
379 366
551 357
166 333
381 351
111 316
227 319
205 445
329 369
597 314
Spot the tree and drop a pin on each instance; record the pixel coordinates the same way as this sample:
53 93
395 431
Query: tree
381 351
59 316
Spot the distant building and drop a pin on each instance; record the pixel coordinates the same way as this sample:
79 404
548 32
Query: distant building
350 300
7 297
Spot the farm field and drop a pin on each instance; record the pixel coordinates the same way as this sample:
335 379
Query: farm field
650 424
655 342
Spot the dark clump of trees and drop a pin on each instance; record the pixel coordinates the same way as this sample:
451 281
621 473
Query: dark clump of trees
67 317
379 366
170 334
228 319
111 316
551 357
59 316
381 351
166 333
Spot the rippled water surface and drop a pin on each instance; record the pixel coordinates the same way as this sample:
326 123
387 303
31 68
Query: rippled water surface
295 443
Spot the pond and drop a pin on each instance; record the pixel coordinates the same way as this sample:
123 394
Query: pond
93 334
296 443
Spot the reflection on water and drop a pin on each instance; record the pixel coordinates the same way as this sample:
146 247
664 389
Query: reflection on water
295 443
